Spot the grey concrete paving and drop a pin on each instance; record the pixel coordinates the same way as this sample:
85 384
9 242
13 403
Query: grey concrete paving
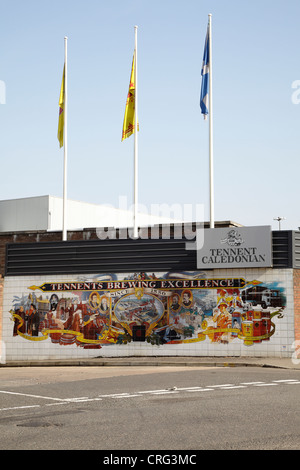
188 361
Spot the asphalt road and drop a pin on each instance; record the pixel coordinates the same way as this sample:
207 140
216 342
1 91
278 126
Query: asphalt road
119 409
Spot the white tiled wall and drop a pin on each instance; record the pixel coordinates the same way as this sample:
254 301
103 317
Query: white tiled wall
279 345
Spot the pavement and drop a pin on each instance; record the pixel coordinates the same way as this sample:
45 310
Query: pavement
179 361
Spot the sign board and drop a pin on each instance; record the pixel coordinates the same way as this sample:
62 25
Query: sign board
234 247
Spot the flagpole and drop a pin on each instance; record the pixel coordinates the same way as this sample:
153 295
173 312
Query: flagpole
65 146
135 221
211 167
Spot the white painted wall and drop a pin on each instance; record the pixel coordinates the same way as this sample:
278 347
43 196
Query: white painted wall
24 214
46 212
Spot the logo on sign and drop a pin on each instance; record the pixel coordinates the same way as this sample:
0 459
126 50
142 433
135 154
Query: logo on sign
233 238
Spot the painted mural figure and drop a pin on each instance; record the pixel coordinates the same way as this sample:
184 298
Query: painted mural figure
175 305
33 321
19 321
96 316
28 321
223 319
74 315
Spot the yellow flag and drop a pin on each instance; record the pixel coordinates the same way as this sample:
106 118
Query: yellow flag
129 117
61 118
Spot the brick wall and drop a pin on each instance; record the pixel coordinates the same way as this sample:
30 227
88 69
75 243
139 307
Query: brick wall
297 309
1 304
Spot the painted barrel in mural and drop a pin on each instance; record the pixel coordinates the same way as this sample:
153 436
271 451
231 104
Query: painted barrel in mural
247 331
257 329
266 324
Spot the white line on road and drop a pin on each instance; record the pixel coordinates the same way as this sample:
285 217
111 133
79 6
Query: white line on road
202 390
175 390
75 399
292 383
223 385
233 386
286 380
190 388
251 383
29 395
20 407
128 396
82 400
264 385
114 395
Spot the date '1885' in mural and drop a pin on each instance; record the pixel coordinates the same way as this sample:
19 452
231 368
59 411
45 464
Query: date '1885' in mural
158 308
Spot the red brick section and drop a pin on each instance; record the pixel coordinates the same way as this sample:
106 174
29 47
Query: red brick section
297 312
1 303
297 309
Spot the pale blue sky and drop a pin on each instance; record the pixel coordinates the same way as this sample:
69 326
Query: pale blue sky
256 58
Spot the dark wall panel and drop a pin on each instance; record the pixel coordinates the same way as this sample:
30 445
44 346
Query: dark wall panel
126 255
99 256
282 249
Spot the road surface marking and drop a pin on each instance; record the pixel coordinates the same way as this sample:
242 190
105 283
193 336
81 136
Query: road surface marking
128 396
233 386
201 390
166 391
286 380
264 385
251 383
113 395
32 396
189 388
223 385
20 407
293 383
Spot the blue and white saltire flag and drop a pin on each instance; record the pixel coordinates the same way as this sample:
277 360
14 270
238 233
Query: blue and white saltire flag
205 76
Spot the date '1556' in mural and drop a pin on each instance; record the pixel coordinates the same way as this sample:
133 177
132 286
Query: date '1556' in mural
160 309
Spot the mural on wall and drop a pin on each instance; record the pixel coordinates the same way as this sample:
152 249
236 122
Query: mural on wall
160 309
